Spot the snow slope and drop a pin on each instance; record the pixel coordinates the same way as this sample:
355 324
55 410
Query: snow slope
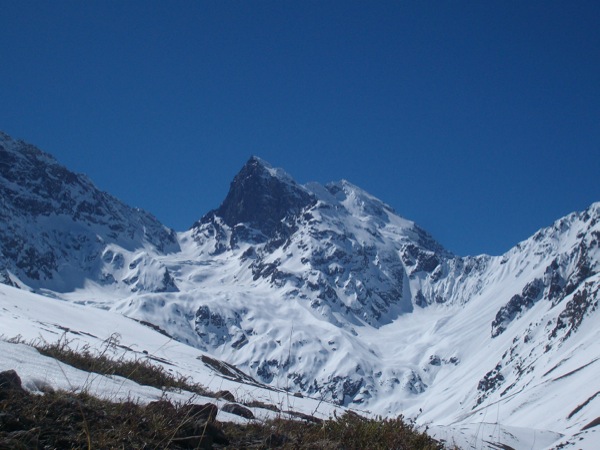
29 317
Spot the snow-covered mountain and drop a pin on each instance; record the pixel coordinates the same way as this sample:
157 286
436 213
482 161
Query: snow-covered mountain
325 290
59 232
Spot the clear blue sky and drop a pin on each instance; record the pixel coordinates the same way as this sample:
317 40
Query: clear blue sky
478 120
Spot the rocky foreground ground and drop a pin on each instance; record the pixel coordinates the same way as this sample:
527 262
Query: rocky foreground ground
59 419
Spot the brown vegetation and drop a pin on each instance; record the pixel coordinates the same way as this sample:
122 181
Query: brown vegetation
59 419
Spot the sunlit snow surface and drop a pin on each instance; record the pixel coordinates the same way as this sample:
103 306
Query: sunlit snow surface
35 318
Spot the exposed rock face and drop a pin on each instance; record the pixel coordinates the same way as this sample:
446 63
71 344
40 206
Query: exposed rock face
489 383
262 197
582 304
261 205
532 292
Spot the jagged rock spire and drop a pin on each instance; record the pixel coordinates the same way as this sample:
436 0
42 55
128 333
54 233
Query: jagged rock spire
261 197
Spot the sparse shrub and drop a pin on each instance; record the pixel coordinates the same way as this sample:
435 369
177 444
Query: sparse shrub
355 432
349 431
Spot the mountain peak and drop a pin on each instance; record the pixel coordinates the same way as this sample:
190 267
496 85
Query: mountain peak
258 161
256 166
262 196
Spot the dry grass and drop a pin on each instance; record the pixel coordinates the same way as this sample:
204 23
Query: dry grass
62 420
77 420
349 431
141 370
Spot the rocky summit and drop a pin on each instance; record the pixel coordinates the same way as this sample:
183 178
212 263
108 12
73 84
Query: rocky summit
325 291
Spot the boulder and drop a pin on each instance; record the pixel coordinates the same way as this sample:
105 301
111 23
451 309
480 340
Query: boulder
238 410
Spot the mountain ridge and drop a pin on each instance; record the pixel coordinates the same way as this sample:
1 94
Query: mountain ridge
56 224
326 291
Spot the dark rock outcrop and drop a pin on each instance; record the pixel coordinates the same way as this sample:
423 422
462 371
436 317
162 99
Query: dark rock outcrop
531 293
238 410
257 206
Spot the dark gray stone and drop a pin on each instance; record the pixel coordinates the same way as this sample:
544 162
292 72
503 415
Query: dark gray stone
238 410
